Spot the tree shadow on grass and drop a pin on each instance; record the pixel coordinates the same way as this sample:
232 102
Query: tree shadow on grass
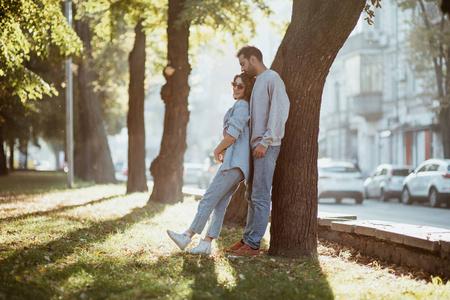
256 278
35 182
143 275
57 210
42 258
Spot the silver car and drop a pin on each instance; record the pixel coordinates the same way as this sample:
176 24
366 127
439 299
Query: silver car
386 182
430 182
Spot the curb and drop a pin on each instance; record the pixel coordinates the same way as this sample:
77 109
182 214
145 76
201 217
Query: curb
424 247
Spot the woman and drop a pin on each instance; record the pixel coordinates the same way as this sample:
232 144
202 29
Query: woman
234 154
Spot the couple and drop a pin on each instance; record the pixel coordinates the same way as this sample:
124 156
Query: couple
266 104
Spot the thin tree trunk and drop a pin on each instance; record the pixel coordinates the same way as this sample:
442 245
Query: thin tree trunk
317 32
97 141
444 121
167 168
137 182
11 155
3 168
24 151
236 213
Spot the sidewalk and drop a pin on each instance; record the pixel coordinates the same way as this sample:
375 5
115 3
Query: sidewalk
424 247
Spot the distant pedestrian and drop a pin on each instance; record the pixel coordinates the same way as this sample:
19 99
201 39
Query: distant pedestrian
269 110
234 153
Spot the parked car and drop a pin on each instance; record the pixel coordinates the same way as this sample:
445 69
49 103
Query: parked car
191 173
209 170
430 182
340 179
386 182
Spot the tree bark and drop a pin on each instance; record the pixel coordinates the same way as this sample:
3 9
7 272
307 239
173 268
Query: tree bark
11 155
317 31
137 181
3 168
236 213
444 121
92 123
167 168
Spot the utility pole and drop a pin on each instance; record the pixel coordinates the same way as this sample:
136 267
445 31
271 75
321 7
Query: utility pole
69 105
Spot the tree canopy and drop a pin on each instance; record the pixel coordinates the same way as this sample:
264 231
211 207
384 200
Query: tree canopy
30 27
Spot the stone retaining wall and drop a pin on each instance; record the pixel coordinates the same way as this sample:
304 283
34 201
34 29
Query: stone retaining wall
422 247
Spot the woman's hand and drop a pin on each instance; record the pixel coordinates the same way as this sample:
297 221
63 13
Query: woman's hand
219 155
222 155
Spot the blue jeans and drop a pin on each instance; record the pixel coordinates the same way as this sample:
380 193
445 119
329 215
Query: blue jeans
258 193
215 201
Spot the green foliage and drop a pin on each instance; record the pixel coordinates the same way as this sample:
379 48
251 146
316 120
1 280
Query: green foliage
112 24
29 27
429 41
212 17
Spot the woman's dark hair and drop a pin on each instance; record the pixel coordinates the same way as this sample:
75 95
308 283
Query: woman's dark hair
248 83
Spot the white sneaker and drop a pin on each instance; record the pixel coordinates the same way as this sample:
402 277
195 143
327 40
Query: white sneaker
203 247
181 239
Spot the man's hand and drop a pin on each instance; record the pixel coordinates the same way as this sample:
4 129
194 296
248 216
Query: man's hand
260 151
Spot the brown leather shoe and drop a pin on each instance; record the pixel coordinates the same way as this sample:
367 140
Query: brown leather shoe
245 250
235 246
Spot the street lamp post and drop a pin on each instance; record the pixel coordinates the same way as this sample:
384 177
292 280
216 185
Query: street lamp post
69 105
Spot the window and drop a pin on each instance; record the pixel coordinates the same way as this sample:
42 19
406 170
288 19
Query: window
371 70
353 75
433 168
384 171
401 172
423 168
340 169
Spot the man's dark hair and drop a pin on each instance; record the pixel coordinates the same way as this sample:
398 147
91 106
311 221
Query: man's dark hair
248 51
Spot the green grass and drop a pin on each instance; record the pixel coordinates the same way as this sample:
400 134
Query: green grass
95 242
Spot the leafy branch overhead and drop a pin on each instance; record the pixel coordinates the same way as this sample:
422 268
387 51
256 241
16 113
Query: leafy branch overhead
368 10
31 28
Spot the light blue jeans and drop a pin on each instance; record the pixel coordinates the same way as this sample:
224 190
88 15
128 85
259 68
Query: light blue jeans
259 195
215 201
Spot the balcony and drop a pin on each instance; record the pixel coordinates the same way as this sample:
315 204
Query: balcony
368 105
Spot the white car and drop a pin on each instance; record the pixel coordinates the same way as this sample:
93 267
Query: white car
340 179
429 181
386 182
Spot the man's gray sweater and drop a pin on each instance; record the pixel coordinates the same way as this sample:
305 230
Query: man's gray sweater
269 110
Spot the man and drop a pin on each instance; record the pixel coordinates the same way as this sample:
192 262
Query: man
269 109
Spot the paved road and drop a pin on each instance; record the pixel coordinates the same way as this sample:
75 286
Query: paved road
371 209
393 211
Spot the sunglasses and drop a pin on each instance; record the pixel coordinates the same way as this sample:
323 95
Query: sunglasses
239 86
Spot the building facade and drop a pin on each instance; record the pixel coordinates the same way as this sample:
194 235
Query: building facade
372 111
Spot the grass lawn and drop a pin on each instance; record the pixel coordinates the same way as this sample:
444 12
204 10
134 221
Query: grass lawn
95 242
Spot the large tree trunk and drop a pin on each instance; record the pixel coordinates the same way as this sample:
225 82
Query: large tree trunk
82 154
100 158
236 213
167 168
317 31
3 168
137 182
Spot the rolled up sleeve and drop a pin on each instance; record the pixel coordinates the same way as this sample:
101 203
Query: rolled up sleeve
236 123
